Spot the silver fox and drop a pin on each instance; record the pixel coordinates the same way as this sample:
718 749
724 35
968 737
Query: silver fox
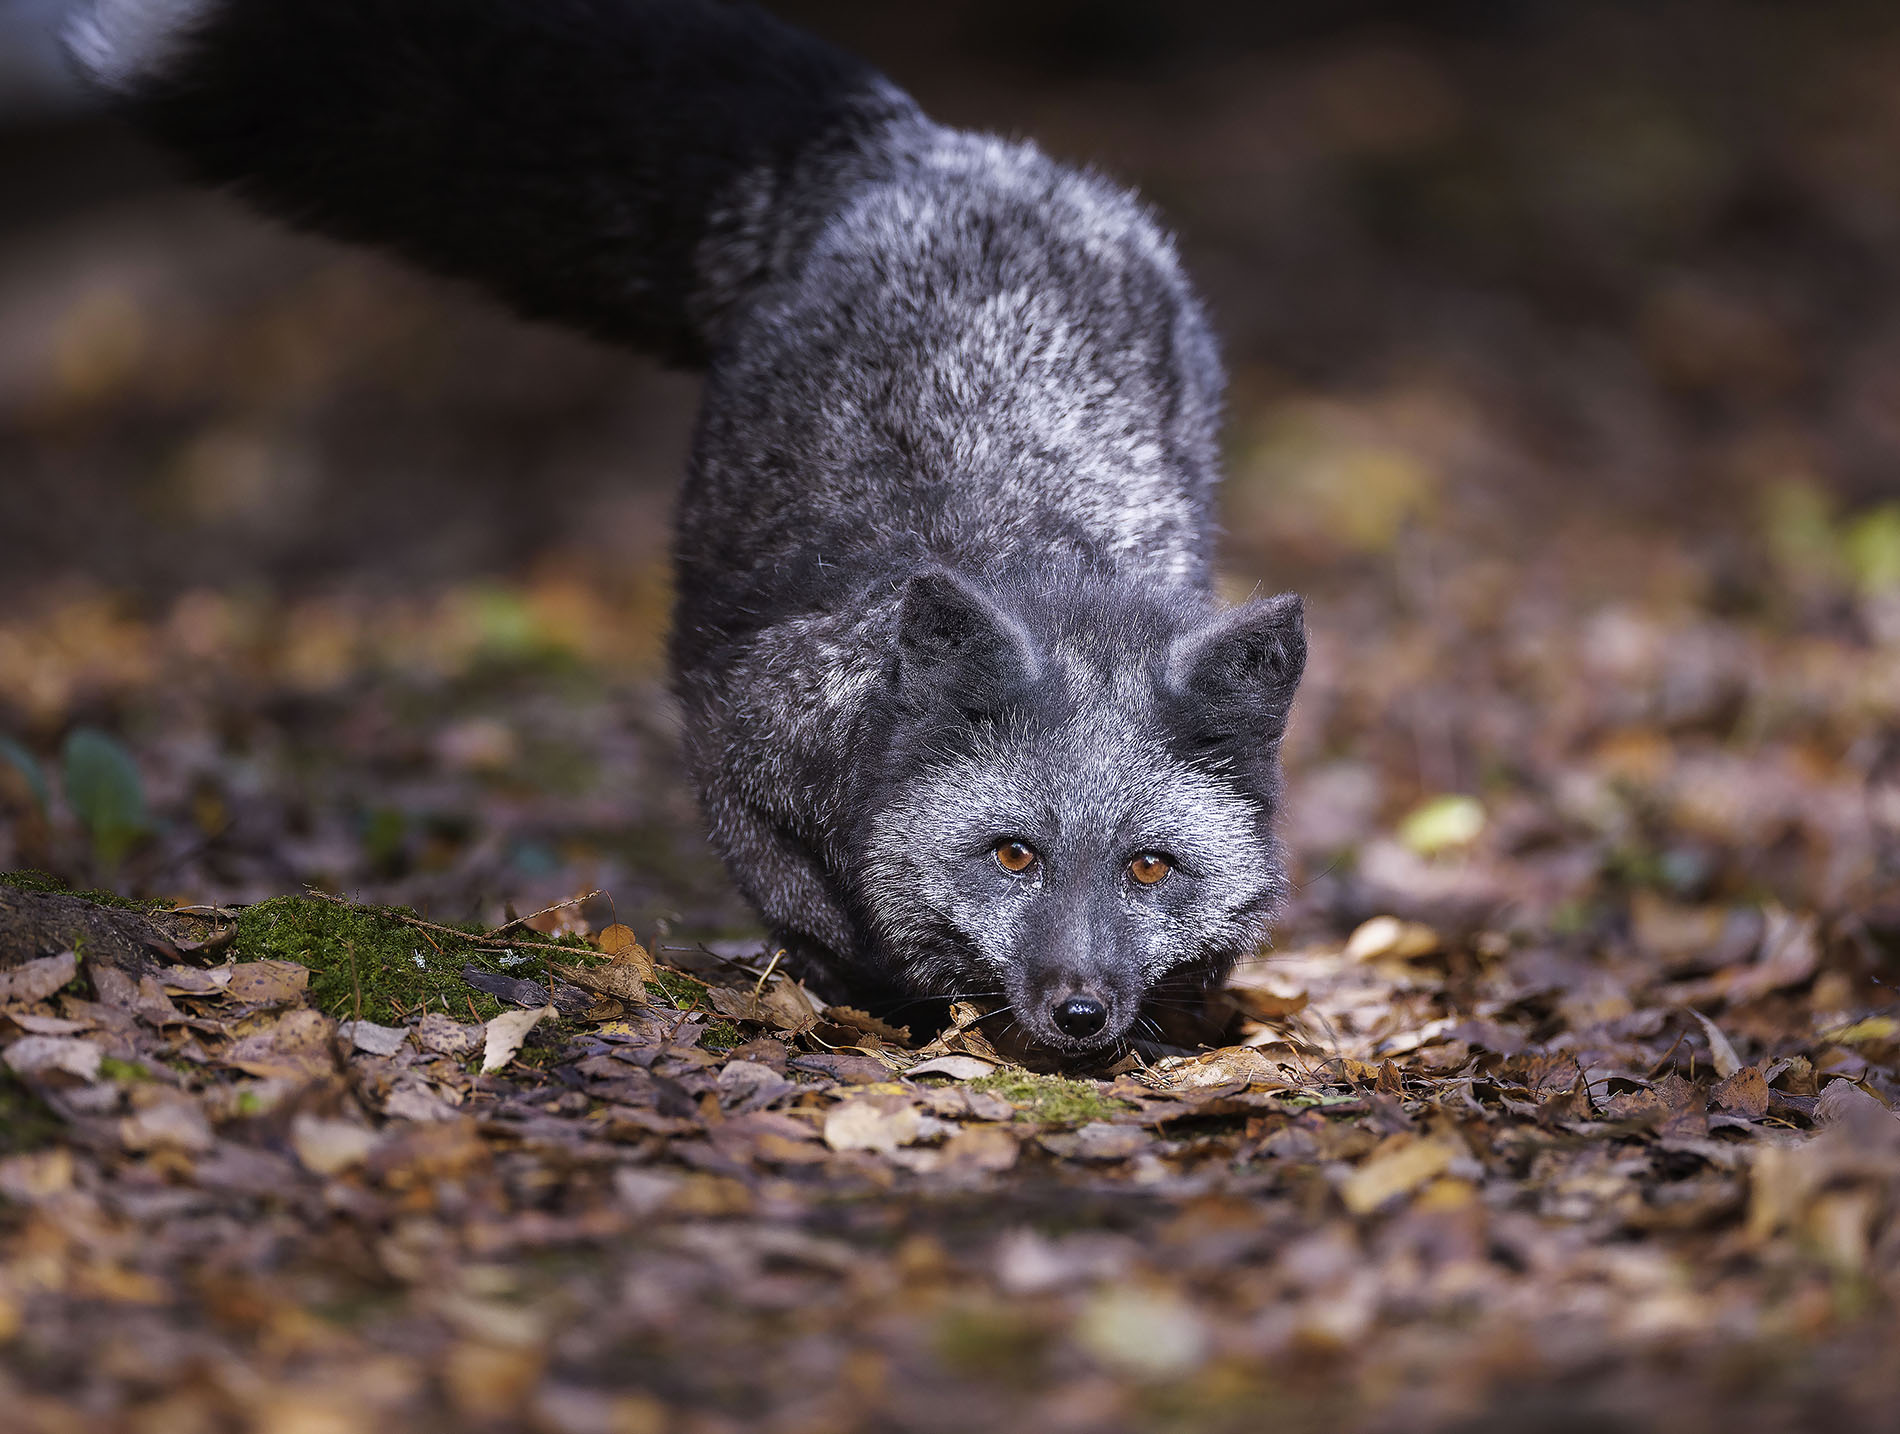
964 714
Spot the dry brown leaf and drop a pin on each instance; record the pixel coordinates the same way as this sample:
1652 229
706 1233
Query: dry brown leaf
1230 1065
788 1005
990 1148
615 939
195 980
444 1036
1743 1093
33 981
865 1023
1263 1005
267 983
296 1046
624 978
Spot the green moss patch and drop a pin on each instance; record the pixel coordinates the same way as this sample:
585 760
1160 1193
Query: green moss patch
1054 1100
372 954
680 990
125 1072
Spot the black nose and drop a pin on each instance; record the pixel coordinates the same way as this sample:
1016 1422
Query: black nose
1080 1016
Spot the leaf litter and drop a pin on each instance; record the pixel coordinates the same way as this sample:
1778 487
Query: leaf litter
1440 1184
1565 1100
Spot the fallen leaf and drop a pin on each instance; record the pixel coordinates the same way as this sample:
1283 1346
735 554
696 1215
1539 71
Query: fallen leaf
172 1124
880 1123
417 1100
296 1046
1387 938
267 983
1870 1031
1263 1005
618 938
329 1147
1844 1101
866 1024
195 980
1720 1051
1790 951
372 1039
1743 1092
46 1055
113 986
1396 1172
36 980
1098 1141
505 1034
990 1148
1148 1333
957 1067
1442 824
744 1086
624 978
48 1025
1231 1065
444 1036
41 1175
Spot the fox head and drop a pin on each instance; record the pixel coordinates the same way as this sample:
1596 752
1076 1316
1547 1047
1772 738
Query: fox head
1076 799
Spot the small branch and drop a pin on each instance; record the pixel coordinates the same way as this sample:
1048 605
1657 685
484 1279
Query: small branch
487 942
559 905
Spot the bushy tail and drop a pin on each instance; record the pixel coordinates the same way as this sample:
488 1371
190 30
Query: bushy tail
631 167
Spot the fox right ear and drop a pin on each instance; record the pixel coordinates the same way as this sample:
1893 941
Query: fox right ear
956 645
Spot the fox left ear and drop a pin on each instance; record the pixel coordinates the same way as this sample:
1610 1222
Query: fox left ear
1239 672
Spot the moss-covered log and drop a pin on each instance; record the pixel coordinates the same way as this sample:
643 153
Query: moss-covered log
41 922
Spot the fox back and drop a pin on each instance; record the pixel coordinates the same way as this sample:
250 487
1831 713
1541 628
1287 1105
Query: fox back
963 713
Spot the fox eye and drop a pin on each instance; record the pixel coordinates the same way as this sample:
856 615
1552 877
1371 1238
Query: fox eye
1015 857
1150 868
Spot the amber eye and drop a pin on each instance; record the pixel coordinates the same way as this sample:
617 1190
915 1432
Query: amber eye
1149 868
1015 857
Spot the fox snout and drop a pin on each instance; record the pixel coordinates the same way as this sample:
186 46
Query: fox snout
1076 1008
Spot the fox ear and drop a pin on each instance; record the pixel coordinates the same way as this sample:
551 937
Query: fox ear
955 644
1238 673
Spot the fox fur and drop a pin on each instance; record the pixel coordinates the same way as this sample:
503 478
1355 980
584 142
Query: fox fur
943 544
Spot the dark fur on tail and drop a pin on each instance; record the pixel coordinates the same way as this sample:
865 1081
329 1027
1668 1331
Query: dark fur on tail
962 709
630 167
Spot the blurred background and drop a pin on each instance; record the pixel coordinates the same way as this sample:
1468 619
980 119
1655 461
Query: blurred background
1566 383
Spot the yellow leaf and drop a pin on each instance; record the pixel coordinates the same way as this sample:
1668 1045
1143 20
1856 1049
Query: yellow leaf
1867 1032
1443 824
1395 1172
1386 938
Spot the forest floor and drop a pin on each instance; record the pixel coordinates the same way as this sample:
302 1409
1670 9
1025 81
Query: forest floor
1566 362
1565 1099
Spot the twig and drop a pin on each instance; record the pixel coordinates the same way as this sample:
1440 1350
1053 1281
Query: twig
766 974
524 920
487 941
